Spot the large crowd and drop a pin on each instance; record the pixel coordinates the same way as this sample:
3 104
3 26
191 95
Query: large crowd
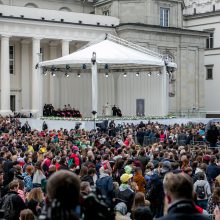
139 172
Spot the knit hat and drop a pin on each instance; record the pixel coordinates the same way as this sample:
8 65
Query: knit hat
121 207
75 148
125 177
128 169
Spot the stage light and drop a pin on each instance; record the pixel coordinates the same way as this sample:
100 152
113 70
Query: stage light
149 74
67 74
44 71
93 59
67 67
137 73
78 74
125 74
53 73
106 75
159 73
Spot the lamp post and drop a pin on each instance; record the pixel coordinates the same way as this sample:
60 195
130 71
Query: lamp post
94 83
94 113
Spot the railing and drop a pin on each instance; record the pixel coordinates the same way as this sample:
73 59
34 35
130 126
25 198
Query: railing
203 144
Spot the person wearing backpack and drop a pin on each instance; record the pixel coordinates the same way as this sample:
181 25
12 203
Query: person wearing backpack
11 203
202 190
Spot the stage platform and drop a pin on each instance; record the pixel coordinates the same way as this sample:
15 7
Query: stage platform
88 123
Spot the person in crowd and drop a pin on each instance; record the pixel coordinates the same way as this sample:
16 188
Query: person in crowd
104 186
26 214
155 195
35 200
85 188
38 176
63 191
125 193
178 190
121 211
212 135
118 170
11 203
213 170
202 190
139 201
28 184
88 177
140 180
214 200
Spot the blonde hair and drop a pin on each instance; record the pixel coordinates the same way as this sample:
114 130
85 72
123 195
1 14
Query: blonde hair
35 194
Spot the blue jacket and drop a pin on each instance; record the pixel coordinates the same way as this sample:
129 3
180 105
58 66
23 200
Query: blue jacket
104 186
28 184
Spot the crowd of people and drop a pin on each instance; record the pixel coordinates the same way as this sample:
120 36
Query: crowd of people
67 111
111 174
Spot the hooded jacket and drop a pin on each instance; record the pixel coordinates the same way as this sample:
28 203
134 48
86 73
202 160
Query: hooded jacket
141 182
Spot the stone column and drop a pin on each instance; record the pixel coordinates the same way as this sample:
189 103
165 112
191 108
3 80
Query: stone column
65 51
181 82
25 76
5 77
164 90
65 47
35 77
53 79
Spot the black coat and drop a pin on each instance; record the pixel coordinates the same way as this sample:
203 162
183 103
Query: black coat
212 172
126 196
183 210
17 205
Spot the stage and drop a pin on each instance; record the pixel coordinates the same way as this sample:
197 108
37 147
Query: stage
89 123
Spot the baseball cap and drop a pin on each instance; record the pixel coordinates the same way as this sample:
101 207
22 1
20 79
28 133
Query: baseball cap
125 177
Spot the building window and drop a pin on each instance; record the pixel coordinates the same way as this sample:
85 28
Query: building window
12 102
164 17
210 41
11 59
194 11
106 13
209 72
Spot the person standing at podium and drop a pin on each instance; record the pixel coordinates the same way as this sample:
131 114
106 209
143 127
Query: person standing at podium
114 110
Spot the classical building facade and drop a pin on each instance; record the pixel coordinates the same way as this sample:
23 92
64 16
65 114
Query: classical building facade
204 15
40 30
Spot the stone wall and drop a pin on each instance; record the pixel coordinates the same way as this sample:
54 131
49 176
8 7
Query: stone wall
187 50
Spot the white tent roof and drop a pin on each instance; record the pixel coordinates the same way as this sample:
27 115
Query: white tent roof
107 52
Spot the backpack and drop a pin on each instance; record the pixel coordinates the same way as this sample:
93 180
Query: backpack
70 162
200 192
8 207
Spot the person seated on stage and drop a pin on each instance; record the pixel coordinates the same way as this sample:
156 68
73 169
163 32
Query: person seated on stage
114 110
69 107
119 114
65 108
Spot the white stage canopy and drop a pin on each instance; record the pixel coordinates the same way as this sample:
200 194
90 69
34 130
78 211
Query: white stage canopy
107 52
118 55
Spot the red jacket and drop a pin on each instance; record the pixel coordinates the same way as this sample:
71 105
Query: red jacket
75 158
